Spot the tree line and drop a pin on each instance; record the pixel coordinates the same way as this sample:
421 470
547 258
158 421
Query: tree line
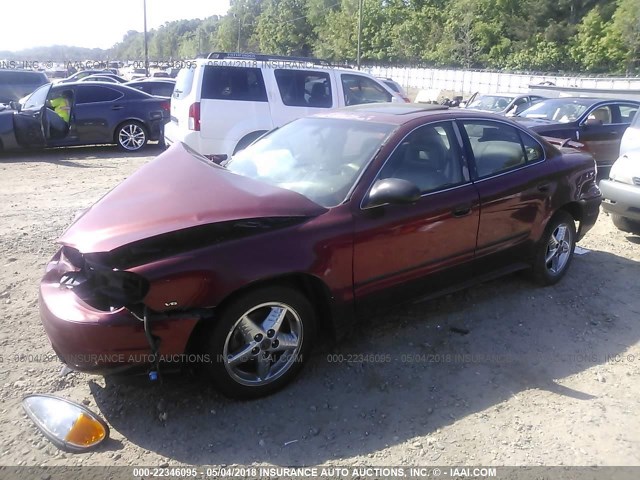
591 36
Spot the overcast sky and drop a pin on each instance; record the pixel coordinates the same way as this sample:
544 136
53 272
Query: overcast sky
90 23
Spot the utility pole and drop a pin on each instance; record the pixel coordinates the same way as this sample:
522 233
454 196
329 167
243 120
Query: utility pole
359 31
239 29
146 46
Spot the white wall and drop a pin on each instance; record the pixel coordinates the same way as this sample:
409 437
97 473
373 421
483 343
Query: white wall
470 81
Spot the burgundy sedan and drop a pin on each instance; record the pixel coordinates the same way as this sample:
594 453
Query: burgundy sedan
240 266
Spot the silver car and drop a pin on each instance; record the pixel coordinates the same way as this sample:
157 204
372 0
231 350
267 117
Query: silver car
502 103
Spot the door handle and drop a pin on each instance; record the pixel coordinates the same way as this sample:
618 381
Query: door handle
543 187
462 210
117 107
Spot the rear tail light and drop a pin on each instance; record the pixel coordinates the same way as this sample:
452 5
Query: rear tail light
194 117
166 106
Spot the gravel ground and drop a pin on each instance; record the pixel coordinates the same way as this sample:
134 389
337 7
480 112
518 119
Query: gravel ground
505 373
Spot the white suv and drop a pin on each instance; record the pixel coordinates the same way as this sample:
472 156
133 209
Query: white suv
223 103
621 191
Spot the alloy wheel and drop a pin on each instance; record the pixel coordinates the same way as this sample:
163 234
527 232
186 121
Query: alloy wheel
558 249
132 137
263 344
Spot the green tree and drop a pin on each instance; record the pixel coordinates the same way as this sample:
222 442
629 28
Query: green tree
237 30
626 29
283 28
597 45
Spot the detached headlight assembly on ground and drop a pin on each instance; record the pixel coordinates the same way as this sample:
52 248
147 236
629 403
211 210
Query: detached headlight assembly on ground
70 426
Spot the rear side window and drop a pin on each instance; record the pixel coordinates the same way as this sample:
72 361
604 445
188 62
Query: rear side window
300 88
233 83
94 94
498 147
358 89
627 113
163 90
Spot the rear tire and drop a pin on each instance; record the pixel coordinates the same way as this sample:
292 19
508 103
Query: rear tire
260 342
555 249
625 224
131 136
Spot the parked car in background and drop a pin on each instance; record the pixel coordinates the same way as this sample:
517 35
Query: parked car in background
99 78
156 87
396 87
99 114
84 73
621 192
15 84
114 78
220 104
133 73
597 123
319 221
502 103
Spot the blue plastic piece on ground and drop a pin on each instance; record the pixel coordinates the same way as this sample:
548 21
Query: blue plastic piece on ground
153 376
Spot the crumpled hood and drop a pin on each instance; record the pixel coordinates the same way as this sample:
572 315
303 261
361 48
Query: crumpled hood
178 190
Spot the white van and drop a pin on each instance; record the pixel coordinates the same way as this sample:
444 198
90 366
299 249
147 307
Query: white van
223 103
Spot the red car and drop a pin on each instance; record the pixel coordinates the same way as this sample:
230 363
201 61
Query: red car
240 266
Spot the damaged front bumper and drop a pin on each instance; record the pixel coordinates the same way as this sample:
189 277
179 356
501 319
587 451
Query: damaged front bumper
91 339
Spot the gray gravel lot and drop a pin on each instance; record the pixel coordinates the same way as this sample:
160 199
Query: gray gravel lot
544 376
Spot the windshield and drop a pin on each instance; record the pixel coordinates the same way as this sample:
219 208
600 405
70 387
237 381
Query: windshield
37 98
320 158
557 110
491 103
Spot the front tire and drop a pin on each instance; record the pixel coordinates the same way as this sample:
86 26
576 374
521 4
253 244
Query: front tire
555 249
625 224
131 136
260 342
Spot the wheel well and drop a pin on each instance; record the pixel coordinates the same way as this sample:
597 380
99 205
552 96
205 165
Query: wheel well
574 209
313 288
131 120
247 140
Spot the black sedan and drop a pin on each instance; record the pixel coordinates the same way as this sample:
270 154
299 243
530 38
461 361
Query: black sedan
597 123
156 87
85 113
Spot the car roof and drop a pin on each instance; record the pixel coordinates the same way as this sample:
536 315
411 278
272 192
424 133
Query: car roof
503 94
21 70
399 113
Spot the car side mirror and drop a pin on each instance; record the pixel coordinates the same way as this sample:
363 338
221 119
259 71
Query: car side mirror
15 105
394 191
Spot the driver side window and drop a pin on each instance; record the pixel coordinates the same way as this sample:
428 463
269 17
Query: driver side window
429 157
601 115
